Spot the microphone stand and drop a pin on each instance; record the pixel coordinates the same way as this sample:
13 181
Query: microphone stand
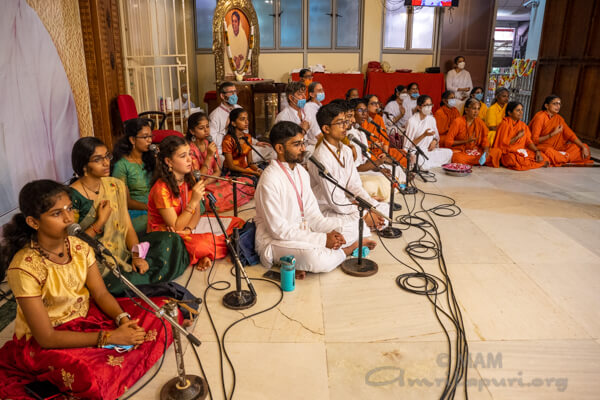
184 386
410 189
356 266
245 139
238 299
388 232
234 184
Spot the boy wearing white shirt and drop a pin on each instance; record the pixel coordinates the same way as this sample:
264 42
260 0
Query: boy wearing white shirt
288 219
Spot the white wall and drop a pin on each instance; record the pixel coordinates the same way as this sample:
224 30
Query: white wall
535 31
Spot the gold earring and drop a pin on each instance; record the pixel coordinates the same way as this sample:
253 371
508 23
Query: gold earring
170 168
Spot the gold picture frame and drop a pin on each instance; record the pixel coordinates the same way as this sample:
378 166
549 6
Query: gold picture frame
229 13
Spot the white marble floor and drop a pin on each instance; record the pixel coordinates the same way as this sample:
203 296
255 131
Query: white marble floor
524 260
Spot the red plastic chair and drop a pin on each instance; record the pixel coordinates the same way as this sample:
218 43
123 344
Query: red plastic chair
128 110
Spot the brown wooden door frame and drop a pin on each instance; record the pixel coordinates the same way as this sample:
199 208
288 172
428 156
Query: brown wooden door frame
101 30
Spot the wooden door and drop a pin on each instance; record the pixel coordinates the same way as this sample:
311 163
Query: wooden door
467 31
569 64
104 64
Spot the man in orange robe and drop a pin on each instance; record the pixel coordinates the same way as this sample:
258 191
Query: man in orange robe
468 139
549 131
445 115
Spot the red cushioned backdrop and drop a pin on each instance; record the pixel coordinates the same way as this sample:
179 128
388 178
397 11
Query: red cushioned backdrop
383 84
336 85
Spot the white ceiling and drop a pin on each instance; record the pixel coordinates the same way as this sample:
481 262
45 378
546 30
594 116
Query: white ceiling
512 10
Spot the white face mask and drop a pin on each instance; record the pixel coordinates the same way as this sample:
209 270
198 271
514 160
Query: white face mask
461 65
185 96
452 103
404 96
427 110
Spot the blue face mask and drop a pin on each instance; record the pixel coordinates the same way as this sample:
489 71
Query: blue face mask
301 103
320 97
479 96
452 103
233 99
414 95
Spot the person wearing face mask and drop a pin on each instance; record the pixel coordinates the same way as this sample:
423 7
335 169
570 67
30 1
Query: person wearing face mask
316 95
411 103
306 76
219 118
459 81
394 113
294 112
184 102
445 115
478 93
422 130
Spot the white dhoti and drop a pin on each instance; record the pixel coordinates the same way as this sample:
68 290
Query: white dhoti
311 260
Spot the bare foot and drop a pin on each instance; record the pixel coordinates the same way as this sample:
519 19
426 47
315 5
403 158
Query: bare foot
204 264
187 323
348 250
300 274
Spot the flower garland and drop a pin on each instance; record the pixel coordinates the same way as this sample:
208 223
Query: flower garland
519 68
246 65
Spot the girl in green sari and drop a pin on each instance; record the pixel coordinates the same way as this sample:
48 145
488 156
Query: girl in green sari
133 163
100 203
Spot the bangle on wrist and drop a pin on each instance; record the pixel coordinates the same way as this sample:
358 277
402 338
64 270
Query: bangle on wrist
96 231
119 317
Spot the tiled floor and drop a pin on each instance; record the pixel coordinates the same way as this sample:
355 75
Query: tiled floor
524 259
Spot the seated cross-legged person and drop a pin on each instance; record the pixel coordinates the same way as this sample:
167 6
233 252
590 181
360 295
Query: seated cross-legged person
288 219
337 159
550 131
134 164
514 141
175 205
422 130
236 147
204 159
100 203
496 112
445 115
468 138
374 123
64 312
371 173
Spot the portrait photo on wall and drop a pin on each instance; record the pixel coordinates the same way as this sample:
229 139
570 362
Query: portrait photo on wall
237 31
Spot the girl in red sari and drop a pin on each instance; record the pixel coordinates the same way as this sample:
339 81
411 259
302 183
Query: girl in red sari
550 131
175 204
65 314
204 159
445 115
513 139
468 138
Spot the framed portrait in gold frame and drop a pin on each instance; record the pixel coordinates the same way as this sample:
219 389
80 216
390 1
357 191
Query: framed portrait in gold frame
236 40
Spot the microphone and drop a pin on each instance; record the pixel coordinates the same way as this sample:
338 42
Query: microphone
209 139
153 148
77 230
197 174
318 164
363 130
358 142
375 123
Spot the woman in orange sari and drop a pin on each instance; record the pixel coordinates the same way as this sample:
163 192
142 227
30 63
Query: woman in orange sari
514 141
378 132
550 131
175 204
468 138
445 115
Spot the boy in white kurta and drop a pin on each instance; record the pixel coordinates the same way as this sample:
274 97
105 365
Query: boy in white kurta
422 130
338 161
288 219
